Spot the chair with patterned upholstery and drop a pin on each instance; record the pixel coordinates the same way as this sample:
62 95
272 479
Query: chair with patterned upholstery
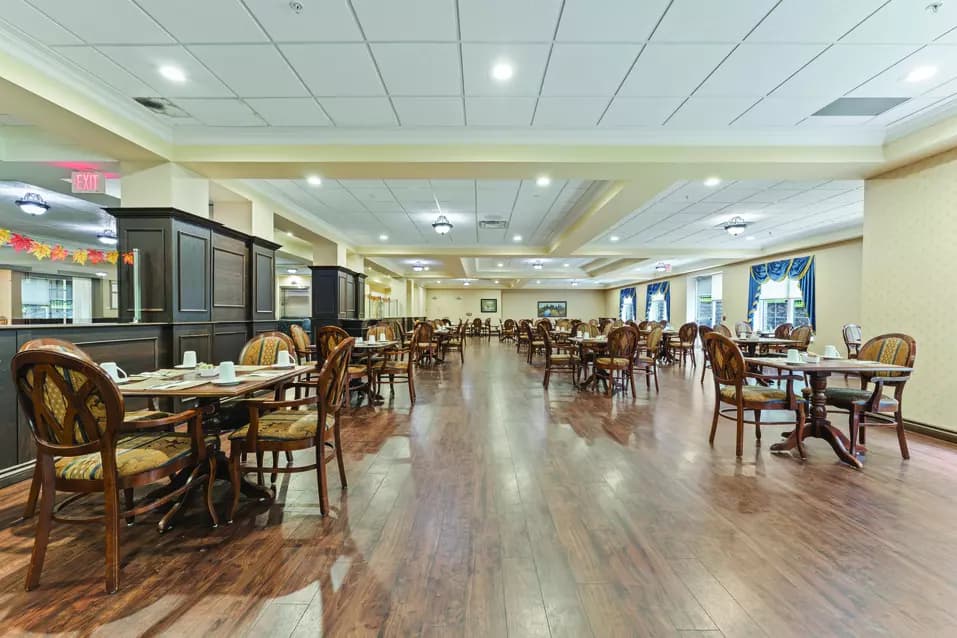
706 363
328 339
84 445
508 331
802 334
742 329
399 363
852 334
424 348
730 386
535 343
644 326
455 343
382 331
618 361
723 330
895 348
683 346
493 329
475 328
298 424
521 336
263 349
646 356
783 331
305 351
558 357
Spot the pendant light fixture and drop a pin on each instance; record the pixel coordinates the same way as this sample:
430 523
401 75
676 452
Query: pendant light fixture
442 225
735 226
33 204
108 237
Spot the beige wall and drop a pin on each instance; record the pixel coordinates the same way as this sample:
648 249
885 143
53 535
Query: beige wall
582 304
910 234
461 304
837 290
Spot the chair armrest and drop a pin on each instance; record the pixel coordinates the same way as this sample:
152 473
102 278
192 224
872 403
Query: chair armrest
267 404
173 419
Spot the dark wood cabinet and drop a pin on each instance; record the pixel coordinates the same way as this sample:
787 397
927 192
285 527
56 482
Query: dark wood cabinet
337 295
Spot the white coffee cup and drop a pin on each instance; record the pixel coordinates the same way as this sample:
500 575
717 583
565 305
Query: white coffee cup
831 351
283 358
189 358
794 356
227 371
358 339
116 372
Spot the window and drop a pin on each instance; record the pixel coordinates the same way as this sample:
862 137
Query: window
114 294
657 310
707 300
46 298
780 302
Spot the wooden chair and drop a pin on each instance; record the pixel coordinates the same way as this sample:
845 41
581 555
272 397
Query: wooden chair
305 351
852 334
328 339
742 329
424 347
76 416
899 349
644 326
492 330
283 426
558 358
783 331
684 345
706 363
475 329
646 358
399 364
521 337
381 331
263 349
730 386
456 343
802 334
508 331
723 330
535 346
618 359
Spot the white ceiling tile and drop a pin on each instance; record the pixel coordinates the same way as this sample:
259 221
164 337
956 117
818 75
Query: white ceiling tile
856 62
709 112
320 21
419 69
33 23
499 111
755 69
666 70
569 112
893 82
103 68
508 20
710 21
295 111
422 20
527 60
105 21
905 21
430 111
588 69
335 69
826 121
251 70
145 61
359 111
640 111
609 20
780 111
911 108
206 21
220 112
812 20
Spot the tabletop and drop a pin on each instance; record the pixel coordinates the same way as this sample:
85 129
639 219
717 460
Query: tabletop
827 365
765 341
368 345
187 383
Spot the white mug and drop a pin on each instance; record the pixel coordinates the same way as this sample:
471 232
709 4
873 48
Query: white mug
227 371
116 372
372 338
830 351
794 356
189 358
283 358
358 339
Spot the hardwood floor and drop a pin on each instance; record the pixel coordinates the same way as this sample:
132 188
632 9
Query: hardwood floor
493 508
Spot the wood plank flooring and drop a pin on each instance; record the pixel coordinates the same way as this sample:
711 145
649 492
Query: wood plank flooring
494 508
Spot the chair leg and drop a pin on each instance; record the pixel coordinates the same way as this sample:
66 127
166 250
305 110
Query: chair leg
704 367
854 424
862 437
757 424
235 461
275 465
548 371
321 476
128 505
44 522
631 377
901 438
259 467
714 420
799 431
210 482
411 389
342 468
111 516
656 378
289 454
739 440
609 382
31 507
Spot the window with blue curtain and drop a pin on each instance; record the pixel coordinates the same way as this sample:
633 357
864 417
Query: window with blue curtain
658 301
799 269
627 304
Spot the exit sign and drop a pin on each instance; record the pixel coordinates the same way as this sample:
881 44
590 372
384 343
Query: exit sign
88 182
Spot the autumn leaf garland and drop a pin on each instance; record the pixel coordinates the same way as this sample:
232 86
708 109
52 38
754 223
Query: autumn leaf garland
41 250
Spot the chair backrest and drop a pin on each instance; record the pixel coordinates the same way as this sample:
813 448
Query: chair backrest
299 336
608 328
476 324
654 339
71 404
663 323
783 331
262 349
564 323
622 342
593 322
509 325
727 362
687 332
898 349
327 338
852 334
423 332
702 331
381 331
544 334
722 329
56 345
644 326
333 378
802 334
632 323
742 329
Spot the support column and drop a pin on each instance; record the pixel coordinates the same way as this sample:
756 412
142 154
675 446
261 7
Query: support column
164 186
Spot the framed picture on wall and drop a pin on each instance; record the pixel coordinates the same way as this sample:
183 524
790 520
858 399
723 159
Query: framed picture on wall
489 305
552 308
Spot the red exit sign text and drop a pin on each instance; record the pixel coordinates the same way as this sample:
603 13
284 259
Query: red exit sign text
88 182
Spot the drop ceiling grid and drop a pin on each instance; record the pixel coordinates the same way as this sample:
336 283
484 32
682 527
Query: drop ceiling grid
258 49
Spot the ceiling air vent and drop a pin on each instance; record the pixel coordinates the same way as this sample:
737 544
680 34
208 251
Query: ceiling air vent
493 223
860 106
162 106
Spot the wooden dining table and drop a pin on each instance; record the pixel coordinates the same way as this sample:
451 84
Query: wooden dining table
597 345
818 424
368 349
750 346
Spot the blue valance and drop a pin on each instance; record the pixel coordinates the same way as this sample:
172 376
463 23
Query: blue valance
627 304
660 288
799 268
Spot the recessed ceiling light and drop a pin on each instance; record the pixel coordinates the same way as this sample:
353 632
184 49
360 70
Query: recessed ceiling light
466 284
538 281
517 238
290 233
314 180
921 73
614 238
291 271
503 71
101 274
711 182
439 281
172 73
543 180
750 238
500 265
496 281
383 237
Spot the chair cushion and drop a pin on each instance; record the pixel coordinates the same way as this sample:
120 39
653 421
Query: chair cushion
135 454
140 415
846 397
563 356
425 344
358 370
538 343
607 361
395 367
754 394
285 425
